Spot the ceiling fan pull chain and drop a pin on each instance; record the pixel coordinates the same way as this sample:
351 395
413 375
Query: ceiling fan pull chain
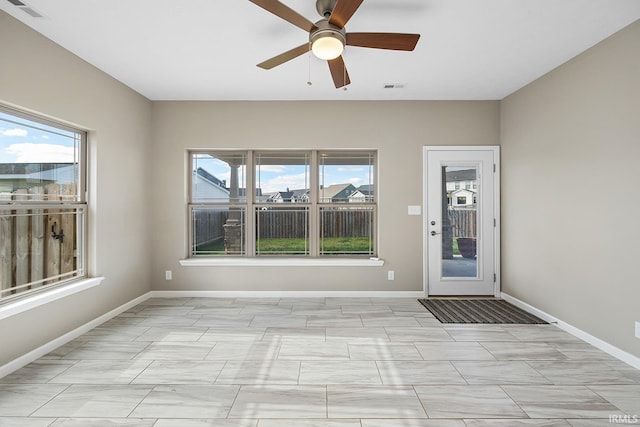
309 83
344 76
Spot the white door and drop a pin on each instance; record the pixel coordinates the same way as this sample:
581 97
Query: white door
461 221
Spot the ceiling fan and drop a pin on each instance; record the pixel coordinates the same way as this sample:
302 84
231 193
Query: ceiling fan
328 36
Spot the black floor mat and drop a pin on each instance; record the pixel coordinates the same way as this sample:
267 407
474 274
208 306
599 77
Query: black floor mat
451 310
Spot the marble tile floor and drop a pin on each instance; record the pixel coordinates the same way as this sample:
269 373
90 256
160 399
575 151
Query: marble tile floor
316 362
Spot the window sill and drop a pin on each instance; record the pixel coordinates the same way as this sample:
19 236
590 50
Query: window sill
277 262
30 302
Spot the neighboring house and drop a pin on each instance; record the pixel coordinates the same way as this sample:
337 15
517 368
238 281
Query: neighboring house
368 191
336 193
461 179
208 187
357 197
281 197
16 176
462 187
462 198
300 196
289 196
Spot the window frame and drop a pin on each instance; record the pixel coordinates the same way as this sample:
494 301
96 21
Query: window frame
313 204
79 280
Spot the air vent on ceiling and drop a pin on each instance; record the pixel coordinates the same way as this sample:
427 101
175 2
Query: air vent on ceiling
31 12
395 85
26 9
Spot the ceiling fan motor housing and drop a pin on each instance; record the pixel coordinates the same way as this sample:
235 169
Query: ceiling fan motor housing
326 29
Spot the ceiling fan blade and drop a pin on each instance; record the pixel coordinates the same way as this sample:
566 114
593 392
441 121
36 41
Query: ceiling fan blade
286 13
284 57
392 41
339 72
343 11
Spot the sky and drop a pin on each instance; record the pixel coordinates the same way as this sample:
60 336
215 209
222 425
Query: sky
23 141
272 178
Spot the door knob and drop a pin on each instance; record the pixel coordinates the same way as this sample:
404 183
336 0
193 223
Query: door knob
433 233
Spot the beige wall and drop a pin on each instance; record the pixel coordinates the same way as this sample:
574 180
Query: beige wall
570 153
38 75
398 130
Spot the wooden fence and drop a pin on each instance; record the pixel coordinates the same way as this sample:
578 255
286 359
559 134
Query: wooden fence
463 222
346 223
282 223
333 223
37 246
207 224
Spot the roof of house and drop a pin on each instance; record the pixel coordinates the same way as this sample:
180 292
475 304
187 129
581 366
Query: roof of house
366 189
464 190
461 175
209 177
300 193
330 192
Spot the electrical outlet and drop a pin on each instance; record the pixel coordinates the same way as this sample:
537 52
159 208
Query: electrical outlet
637 329
168 275
391 275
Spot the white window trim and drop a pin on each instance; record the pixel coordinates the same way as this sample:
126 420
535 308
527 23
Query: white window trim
41 298
284 261
251 258
81 281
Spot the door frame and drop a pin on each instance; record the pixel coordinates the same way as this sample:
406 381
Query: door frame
496 210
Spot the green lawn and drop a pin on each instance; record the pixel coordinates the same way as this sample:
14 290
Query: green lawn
346 244
338 245
282 246
456 251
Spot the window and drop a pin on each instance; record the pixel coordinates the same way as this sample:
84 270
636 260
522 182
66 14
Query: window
42 204
282 203
218 209
347 198
303 203
461 200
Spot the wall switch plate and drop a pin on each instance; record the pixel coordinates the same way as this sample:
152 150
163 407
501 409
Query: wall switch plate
414 210
391 275
168 275
637 329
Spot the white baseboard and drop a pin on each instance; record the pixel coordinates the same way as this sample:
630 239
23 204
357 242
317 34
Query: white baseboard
33 355
614 351
285 294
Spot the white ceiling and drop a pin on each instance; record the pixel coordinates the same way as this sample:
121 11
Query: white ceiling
208 49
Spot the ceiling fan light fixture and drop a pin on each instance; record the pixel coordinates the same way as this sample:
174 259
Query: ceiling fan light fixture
327 47
327 42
